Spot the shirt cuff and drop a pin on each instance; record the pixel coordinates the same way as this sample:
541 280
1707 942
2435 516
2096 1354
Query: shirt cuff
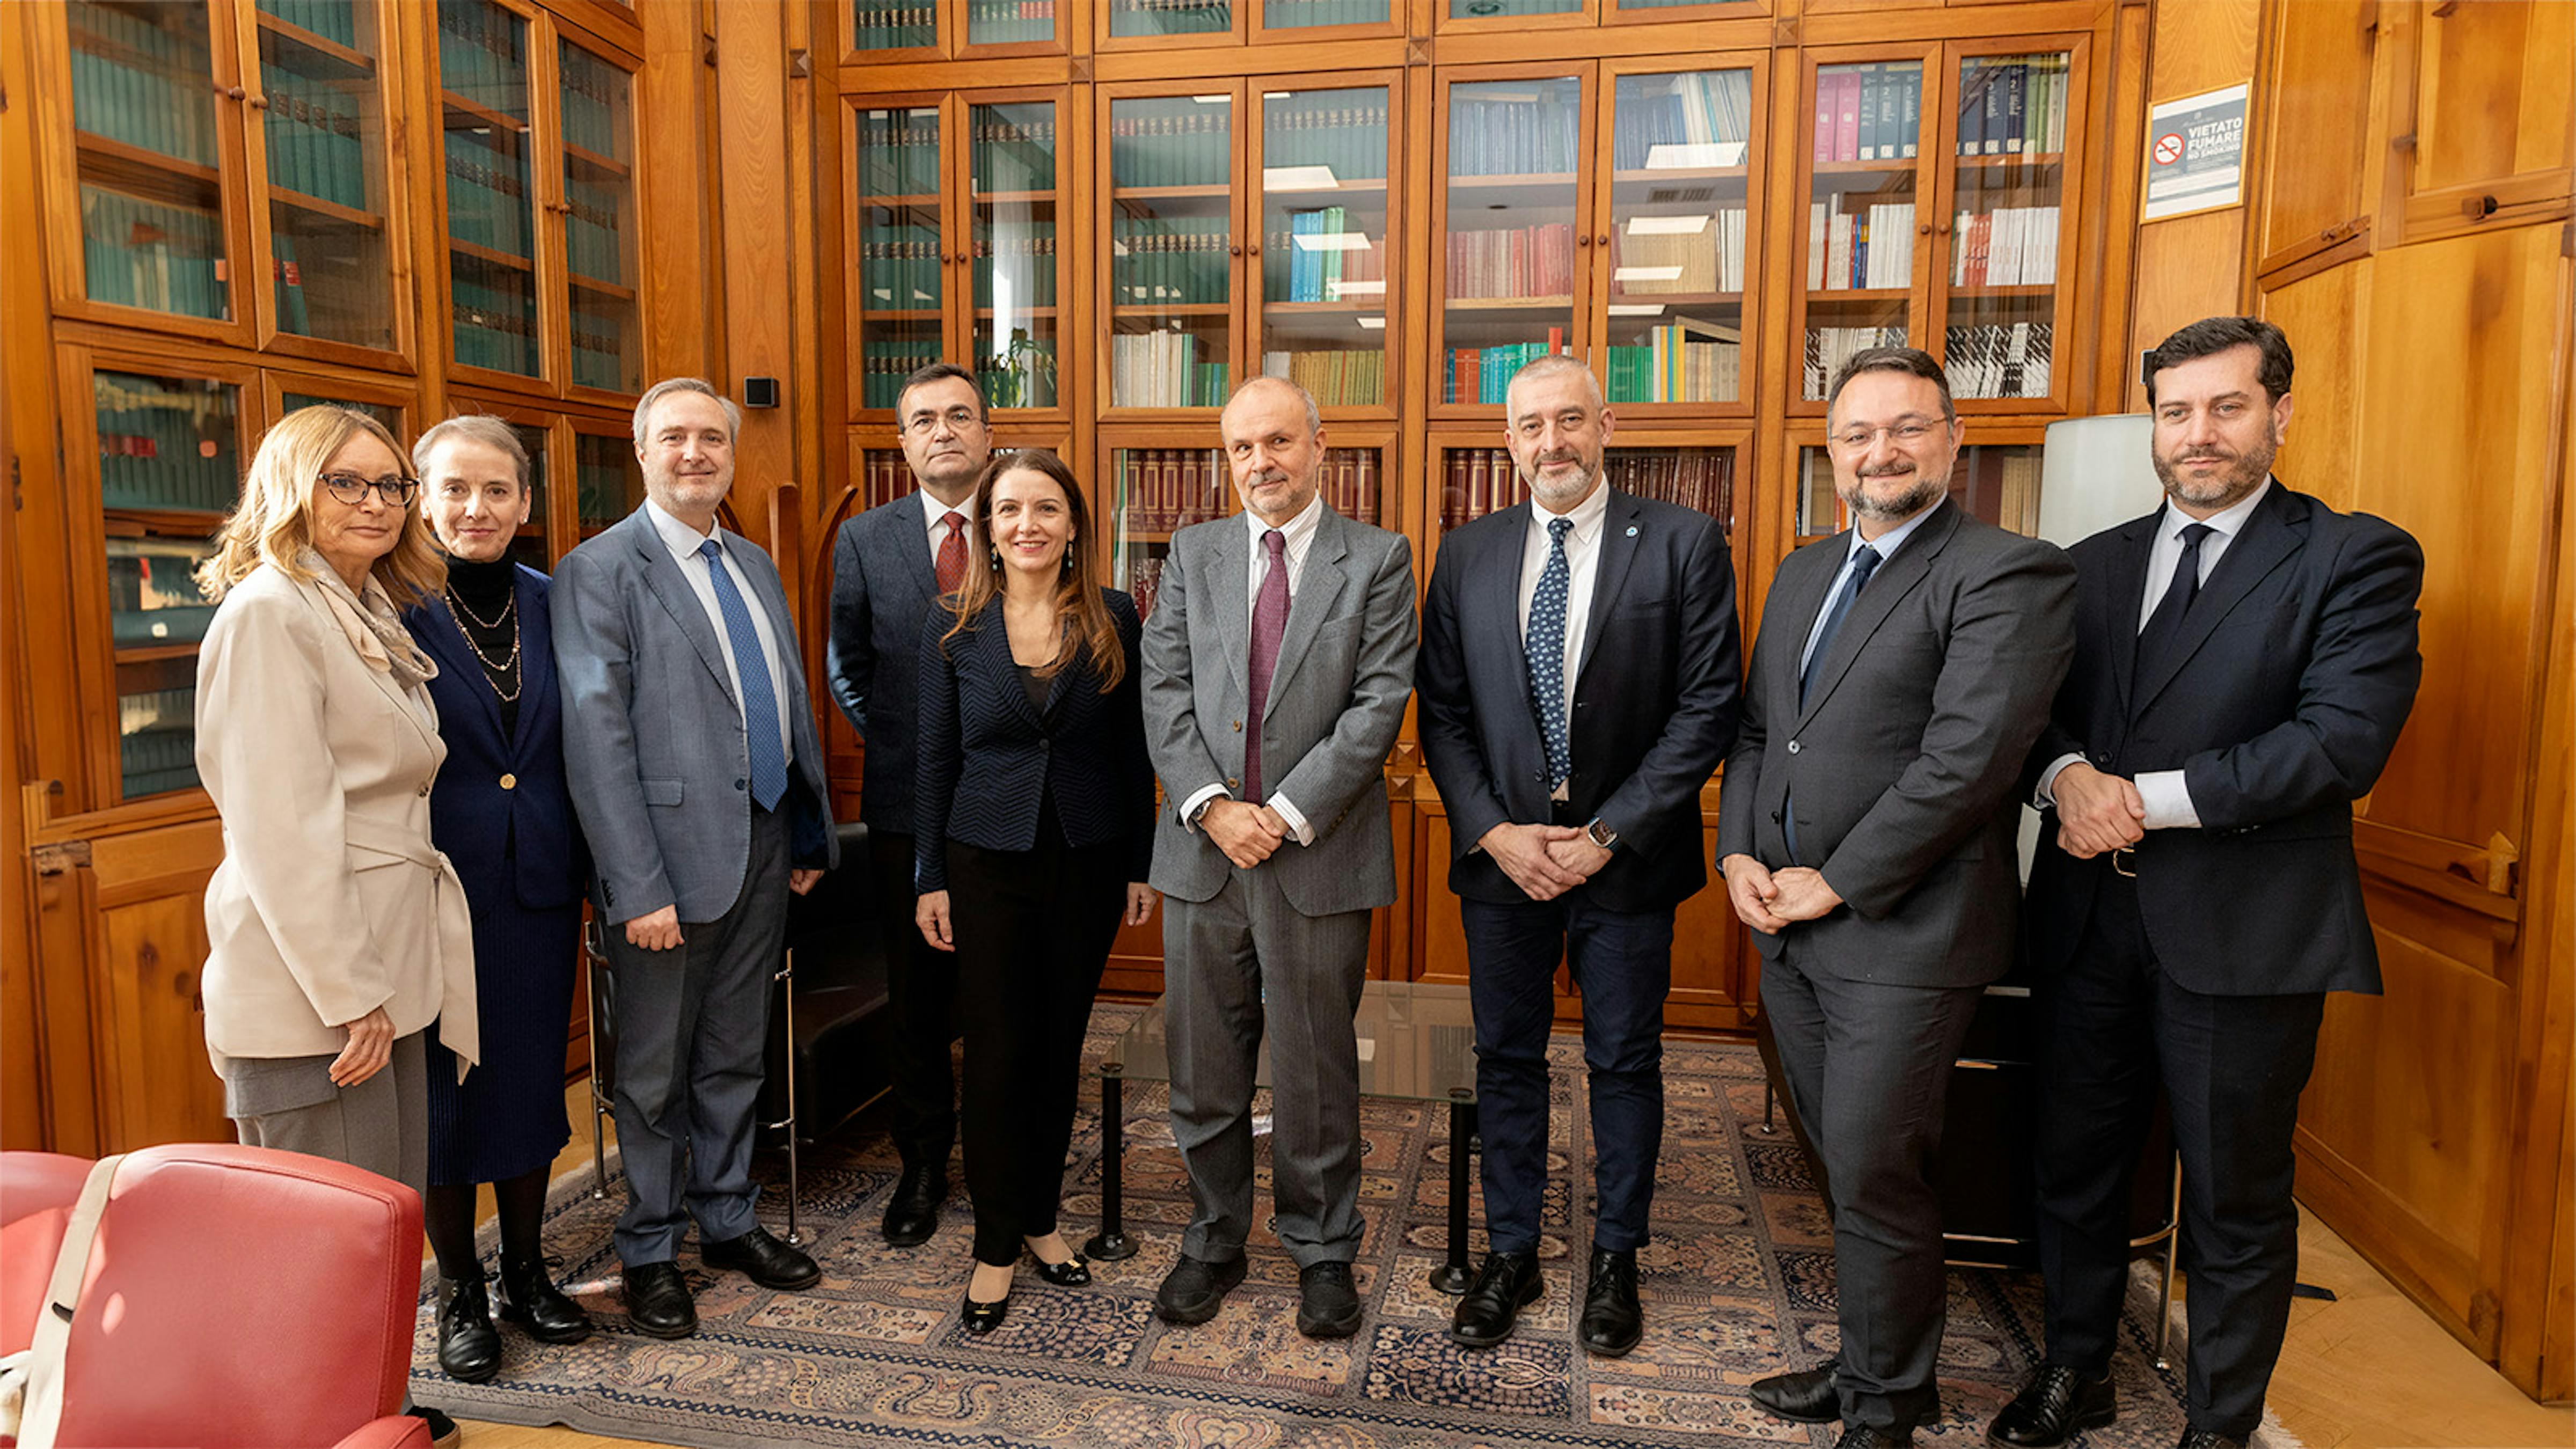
1190 807
2167 800
1296 822
2046 795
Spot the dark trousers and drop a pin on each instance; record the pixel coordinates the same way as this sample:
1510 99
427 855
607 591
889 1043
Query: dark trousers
921 991
1033 929
692 1027
2232 1067
1623 964
1869 1071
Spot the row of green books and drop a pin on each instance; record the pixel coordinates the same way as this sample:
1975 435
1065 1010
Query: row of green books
1169 17
593 243
1337 377
1498 130
140 253
1172 141
884 364
895 25
899 153
1163 369
1025 258
331 19
1169 261
157 743
593 96
142 83
293 314
1679 362
1484 374
1313 130
315 146
599 360
899 268
496 327
609 489
482 55
1321 259
1013 148
487 196
164 447
1295 14
1007 22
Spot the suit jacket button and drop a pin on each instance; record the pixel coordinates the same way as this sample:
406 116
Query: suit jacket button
1232 783
1793 747
1238 726
1045 745
509 781
1775 817
424 789
737 784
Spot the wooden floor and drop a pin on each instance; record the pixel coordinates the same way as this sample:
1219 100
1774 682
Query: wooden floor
2367 1371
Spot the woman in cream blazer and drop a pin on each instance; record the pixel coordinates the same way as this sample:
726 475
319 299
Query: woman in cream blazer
337 933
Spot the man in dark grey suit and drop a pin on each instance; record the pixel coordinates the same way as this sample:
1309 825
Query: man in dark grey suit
889 567
1277 662
700 787
1579 683
2244 659
1866 832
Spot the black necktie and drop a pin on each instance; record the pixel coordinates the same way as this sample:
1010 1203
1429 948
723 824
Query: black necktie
2164 626
1863 564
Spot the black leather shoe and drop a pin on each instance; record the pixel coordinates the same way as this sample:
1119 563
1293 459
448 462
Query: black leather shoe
1328 1306
2208 1439
657 1300
763 1259
2055 1403
1870 1436
469 1347
442 1429
1804 1395
1194 1289
1508 1283
985 1317
1073 1272
530 1299
1612 1322
912 1214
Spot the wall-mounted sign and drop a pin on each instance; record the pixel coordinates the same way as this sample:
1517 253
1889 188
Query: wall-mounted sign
2195 154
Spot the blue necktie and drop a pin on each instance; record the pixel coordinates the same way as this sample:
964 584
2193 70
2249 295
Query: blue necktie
759 695
1545 649
1863 564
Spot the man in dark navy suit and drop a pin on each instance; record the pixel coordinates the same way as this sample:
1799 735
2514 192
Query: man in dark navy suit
1579 682
889 566
2244 659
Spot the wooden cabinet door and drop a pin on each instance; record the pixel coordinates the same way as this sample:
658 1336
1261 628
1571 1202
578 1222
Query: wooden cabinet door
2491 106
2320 93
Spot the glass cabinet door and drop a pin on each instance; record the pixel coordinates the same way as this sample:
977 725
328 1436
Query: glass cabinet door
1154 492
1512 231
1698 478
1475 479
1296 15
143 130
1678 236
598 212
1865 134
607 477
1010 22
323 93
2007 197
1018 272
491 232
169 465
1170 17
902 247
896 24
1171 250
530 546
1324 204
1998 482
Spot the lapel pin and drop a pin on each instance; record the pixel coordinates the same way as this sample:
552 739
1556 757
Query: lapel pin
1632 530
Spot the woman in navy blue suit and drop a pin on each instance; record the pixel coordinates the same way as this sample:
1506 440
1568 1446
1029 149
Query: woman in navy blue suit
1033 828
501 811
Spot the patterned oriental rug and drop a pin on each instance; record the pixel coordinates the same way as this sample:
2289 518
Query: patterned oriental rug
1738 1283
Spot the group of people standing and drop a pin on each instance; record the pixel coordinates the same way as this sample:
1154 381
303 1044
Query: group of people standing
2194 700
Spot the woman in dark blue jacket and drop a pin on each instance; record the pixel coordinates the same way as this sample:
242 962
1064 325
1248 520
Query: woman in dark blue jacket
500 810
1033 827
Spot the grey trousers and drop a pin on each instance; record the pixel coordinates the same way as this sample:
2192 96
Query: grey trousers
692 1028
381 1124
1233 963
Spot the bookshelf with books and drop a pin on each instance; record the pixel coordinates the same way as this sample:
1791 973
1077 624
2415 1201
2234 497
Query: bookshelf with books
1172 245
487 107
2017 117
1863 153
148 87
1148 493
603 276
1680 231
1474 475
1328 193
1996 478
1017 286
1513 234
326 93
902 232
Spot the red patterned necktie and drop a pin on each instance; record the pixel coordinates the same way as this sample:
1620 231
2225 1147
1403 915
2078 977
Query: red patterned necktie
1269 622
952 553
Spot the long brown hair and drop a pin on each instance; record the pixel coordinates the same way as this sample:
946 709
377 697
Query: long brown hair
1083 624
272 522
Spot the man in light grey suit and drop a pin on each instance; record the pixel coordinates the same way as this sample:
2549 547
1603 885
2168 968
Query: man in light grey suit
1865 829
1277 662
699 782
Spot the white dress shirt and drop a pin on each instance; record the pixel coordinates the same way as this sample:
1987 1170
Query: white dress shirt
2162 792
1583 568
683 542
1885 546
1299 533
938 525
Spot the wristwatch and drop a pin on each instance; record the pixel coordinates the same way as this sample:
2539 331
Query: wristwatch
1600 834
1201 813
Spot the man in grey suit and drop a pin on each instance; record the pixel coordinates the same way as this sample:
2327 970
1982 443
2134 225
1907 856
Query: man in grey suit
700 787
1277 661
1865 830
889 567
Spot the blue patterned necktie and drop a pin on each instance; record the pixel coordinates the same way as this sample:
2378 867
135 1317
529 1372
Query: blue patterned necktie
759 692
1545 649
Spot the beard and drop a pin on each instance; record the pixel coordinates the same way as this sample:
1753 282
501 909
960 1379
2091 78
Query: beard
1560 490
2230 485
1926 491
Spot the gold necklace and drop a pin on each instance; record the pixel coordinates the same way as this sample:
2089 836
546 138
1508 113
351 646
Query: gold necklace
506 666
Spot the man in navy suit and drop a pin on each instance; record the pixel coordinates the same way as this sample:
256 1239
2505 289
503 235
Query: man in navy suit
1579 681
889 567
2244 659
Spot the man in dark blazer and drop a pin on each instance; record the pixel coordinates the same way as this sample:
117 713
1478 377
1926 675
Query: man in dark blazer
889 567
694 767
1579 683
1865 830
1277 662
2244 659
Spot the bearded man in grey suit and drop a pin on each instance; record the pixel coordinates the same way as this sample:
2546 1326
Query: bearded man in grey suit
699 782
1277 662
1865 829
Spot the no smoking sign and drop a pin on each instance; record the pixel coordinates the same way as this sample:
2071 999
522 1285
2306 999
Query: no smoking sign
2168 148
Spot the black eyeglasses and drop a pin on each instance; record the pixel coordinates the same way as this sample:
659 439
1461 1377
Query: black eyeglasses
395 489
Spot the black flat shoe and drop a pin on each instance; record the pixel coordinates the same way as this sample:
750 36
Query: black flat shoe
1073 1272
985 1317
1870 1436
2054 1404
1195 1288
657 1300
469 1347
1612 1322
530 1299
1805 1396
1328 1305
763 1259
1508 1283
912 1214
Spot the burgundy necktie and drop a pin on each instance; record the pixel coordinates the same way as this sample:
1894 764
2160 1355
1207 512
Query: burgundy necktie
952 553
1269 621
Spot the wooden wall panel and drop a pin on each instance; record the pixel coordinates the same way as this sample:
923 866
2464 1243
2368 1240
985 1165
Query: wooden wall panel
26 395
2187 268
2320 72
161 1085
2322 315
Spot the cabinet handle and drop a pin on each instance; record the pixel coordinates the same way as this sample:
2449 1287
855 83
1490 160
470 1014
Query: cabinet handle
1923 228
1235 251
1252 250
1581 240
234 93
1944 228
1602 240
2479 208
259 103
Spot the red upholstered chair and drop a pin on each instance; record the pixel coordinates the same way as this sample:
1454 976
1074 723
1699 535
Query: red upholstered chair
237 1296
